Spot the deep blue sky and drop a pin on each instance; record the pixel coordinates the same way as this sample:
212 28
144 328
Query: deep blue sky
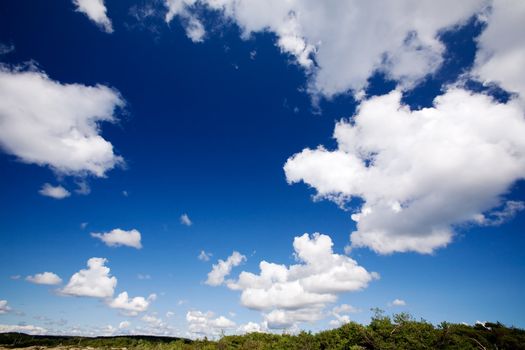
206 131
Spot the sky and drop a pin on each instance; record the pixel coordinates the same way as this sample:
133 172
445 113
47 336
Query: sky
204 167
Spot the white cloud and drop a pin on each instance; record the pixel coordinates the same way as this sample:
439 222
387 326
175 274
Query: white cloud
419 173
206 323
223 268
57 192
15 277
28 329
4 308
170 314
95 281
83 188
203 256
195 30
397 302
250 327
51 124
118 237
153 320
44 278
348 40
288 319
300 292
96 11
143 276
131 306
185 220
501 47
345 308
498 217
338 314
124 325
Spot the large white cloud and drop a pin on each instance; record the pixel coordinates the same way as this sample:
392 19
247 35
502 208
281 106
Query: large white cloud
48 123
48 278
205 323
223 268
95 281
501 55
131 306
300 292
96 11
421 172
118 237
348 40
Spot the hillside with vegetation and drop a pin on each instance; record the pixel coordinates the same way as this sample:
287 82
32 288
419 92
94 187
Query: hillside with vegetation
400 331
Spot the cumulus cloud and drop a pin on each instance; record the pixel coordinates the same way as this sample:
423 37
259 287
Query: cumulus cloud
48 123
397 302
124 325
57 192
203 256
131 306
96 11
501 47
185 220
419 173
95 281
341 44
118 237
4 308
250 327
223 268
300 292
44 278
201 323
28 329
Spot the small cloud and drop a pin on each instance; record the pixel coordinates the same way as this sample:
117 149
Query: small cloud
223 268
170 314
118 237
143 277
57 192
131 306
203 256
397 302
185 220
124 325
96 11
15 277
48 278
345 308
195 30
83 188
125 193
182 302
4 308
253 54
83 225
5 49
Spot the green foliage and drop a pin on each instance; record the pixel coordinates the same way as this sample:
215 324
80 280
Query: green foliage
400 331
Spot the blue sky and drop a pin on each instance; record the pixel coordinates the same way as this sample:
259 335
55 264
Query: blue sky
260 123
